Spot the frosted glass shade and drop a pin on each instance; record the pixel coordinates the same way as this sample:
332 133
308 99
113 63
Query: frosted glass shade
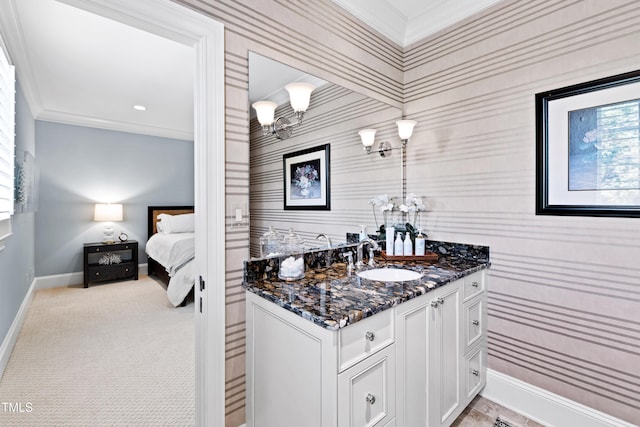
367 136
405 128
108 212
265 111
300 95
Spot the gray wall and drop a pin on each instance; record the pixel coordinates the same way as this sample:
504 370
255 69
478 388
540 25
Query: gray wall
17 259
81 166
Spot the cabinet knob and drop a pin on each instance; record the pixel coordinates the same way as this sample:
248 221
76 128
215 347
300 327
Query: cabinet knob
440 300
434 303
474 284
97 273
475 372
476 322
126 270
370 398
370 336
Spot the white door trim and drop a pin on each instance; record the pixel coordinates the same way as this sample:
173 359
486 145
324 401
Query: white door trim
175 22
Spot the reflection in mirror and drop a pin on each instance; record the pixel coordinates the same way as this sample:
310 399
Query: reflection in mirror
334 116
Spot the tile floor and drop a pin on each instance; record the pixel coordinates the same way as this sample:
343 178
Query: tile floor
483 412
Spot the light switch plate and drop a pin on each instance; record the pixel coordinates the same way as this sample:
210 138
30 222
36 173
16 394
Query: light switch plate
239 215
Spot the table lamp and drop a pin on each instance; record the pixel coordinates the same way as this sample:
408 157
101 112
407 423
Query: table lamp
108 212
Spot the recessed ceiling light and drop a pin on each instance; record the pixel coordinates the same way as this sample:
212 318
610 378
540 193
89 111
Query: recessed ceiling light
139 107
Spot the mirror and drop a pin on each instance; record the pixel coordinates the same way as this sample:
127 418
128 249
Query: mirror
334 117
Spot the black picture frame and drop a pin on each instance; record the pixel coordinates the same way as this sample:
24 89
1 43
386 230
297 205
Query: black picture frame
582 170
307 180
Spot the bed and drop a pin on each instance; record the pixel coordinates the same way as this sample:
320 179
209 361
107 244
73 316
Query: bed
171 250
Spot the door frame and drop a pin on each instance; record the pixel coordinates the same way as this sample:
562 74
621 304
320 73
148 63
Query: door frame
178 23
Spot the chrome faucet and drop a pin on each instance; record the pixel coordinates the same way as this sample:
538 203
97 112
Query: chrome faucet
373 246
324 236
349 257
329 255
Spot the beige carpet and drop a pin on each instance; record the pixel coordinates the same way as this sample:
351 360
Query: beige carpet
116 354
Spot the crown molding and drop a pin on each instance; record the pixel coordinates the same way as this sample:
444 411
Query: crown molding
436 18
379 15
14 43
96 122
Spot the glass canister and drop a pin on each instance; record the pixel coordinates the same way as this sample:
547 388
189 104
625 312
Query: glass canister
270 243
292 257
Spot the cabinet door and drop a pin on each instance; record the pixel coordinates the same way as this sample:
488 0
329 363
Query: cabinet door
412 339
366 391
429 347
291 369
445 355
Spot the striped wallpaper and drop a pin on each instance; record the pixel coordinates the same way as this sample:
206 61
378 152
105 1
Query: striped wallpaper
318 38
564 291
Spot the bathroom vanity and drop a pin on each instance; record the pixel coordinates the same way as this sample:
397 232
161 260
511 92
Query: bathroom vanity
339 350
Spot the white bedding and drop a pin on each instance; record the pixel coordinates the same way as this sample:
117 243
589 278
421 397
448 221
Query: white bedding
175 252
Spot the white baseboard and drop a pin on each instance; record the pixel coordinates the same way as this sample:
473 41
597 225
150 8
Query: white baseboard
543 406
10 339
68 279
59 280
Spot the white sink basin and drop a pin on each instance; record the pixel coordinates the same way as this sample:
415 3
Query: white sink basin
389 274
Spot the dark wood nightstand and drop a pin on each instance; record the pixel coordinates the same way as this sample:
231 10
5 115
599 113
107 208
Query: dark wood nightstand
110 261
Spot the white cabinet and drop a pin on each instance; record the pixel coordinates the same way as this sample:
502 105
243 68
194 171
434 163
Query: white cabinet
417 364
441 352
301 374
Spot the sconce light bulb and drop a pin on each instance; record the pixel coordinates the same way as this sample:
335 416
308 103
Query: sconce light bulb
368 137
405 129
300 95
265 110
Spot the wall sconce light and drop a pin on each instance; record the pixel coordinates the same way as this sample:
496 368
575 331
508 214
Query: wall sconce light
405 130
108 212
299 96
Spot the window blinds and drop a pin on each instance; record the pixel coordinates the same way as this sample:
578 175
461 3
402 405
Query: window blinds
7 134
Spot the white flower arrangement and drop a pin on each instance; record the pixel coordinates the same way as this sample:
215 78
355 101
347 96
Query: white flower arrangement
412 204
383 202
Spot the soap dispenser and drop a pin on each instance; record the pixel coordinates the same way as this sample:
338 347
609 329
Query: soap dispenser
408 246
420 244
390 234
398 247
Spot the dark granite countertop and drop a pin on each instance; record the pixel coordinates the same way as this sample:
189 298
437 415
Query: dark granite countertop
331 299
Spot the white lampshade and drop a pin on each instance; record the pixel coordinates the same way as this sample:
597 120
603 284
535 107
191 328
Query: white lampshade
405 128
265 111
367 136
108 212
300 95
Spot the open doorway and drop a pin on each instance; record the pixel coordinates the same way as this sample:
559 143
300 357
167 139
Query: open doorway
177 23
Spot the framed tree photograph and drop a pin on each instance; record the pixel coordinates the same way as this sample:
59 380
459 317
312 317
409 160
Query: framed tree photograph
306 179
588 148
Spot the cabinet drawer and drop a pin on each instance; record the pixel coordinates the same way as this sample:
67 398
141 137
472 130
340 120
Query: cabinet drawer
473 285
366 392
111 272
473 322
475 366
364 338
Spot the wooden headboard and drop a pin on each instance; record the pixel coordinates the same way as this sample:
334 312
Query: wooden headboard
154 211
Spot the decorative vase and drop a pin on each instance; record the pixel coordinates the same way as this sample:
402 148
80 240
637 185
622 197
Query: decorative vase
305 192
